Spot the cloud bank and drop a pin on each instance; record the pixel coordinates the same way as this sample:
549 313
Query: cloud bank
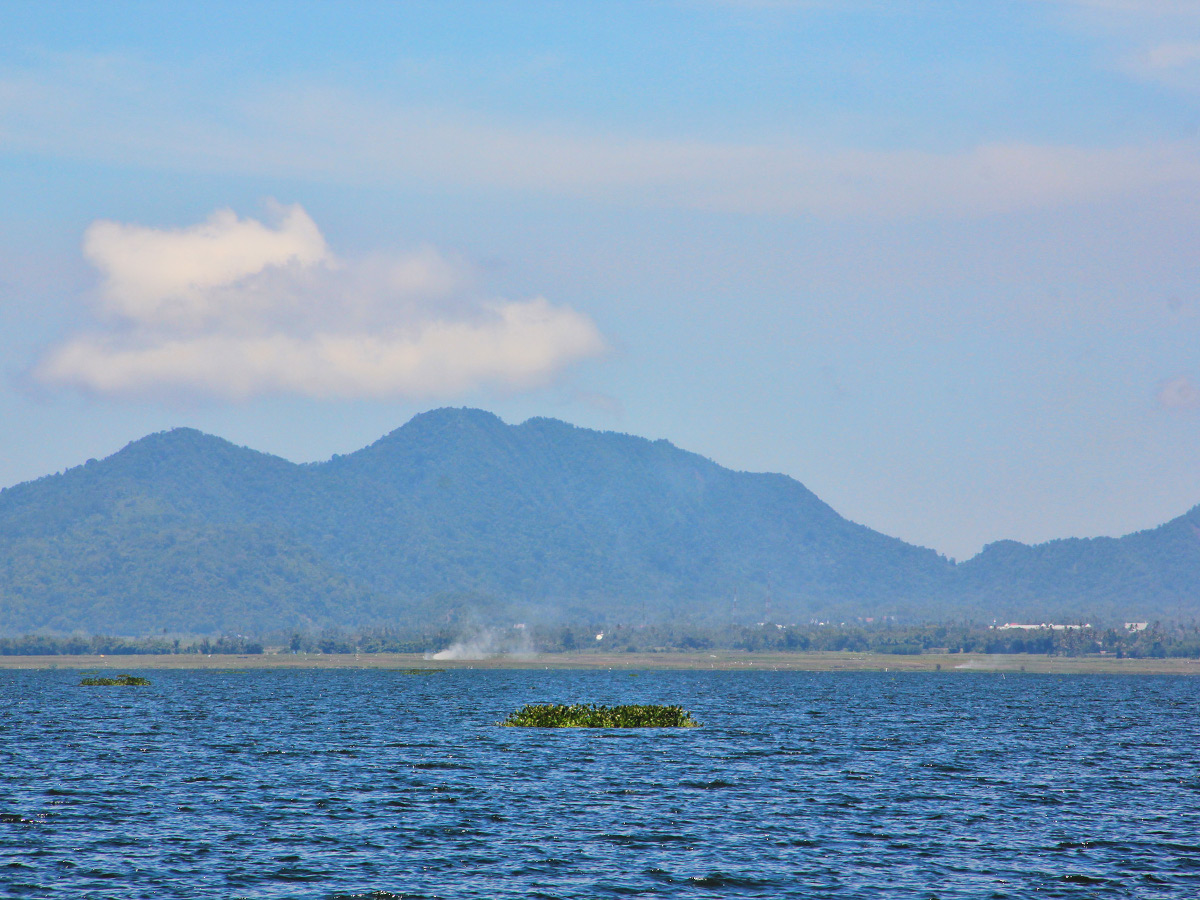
235 308
97 110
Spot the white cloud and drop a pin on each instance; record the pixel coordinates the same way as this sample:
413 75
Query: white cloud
344 138
1151 40
235 308
772 4
780 177
1171 63
1179 393
1152 9
1173 54
153 274
988 179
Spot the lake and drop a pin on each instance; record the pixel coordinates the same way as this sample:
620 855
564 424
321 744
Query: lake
380 784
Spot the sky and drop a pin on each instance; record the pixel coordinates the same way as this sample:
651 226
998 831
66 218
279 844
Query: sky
939 261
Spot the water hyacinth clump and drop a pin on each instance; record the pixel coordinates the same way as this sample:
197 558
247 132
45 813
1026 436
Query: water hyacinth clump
586 715
119 681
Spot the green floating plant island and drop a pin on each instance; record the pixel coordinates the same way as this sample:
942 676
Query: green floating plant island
119 681
586 715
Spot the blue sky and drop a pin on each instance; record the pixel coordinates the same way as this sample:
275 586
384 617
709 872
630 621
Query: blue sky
938 261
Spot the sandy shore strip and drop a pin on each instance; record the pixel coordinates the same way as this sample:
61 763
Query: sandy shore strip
948 664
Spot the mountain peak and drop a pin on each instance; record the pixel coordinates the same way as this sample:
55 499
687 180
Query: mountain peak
176 441
457 415
444 419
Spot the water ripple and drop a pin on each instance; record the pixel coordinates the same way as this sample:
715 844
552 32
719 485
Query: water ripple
360 785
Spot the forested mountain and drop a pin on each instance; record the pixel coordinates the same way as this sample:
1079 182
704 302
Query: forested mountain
1153 574
185 532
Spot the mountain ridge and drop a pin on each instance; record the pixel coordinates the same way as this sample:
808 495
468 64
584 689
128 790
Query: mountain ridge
456 510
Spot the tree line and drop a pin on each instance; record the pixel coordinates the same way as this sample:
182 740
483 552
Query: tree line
108 645
1157 640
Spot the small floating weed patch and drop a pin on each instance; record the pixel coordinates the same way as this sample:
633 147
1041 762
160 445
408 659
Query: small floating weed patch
119 681
586 715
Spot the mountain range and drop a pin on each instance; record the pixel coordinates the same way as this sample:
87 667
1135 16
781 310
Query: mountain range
457 512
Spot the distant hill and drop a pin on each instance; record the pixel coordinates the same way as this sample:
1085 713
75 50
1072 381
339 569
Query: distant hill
1148 575
456 510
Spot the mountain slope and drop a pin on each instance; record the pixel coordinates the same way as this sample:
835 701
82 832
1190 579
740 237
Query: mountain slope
552 513
178 532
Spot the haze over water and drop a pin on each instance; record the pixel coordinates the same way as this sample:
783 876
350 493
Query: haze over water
298 784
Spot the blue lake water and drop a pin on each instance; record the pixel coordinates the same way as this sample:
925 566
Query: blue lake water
379 784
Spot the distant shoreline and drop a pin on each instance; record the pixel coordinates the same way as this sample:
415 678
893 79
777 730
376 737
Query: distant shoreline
829 661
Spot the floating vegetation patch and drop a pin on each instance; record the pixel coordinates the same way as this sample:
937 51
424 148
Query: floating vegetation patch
119 681
422 671
586 715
